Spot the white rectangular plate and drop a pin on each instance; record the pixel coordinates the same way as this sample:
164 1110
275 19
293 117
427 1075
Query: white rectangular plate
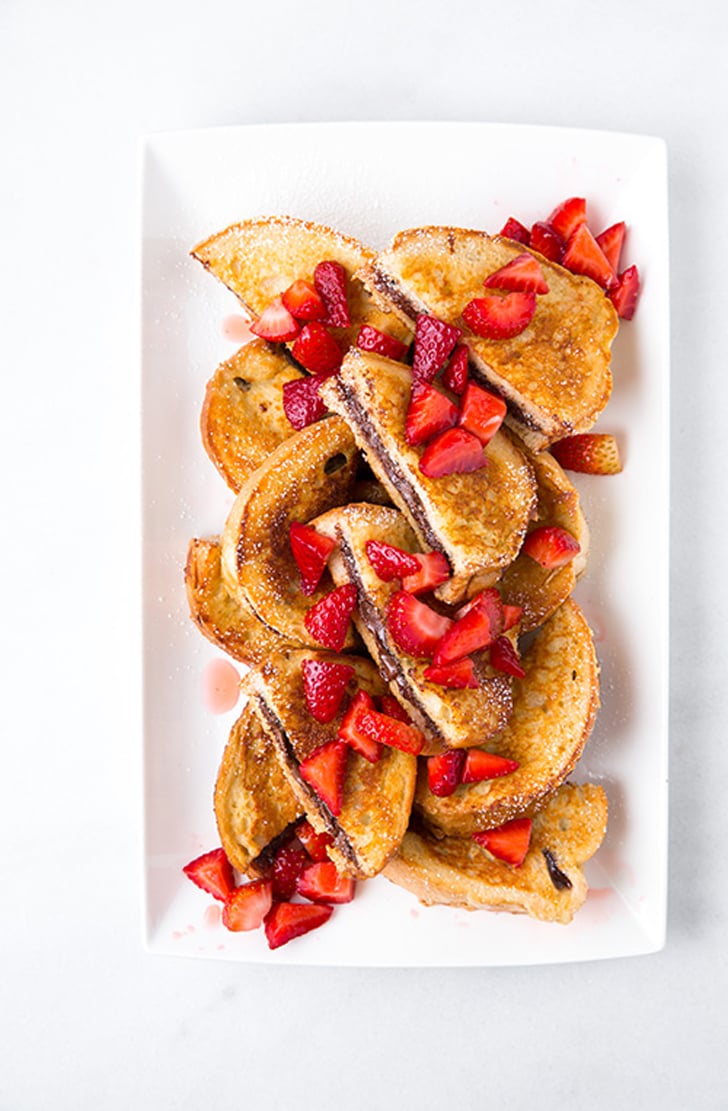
371 180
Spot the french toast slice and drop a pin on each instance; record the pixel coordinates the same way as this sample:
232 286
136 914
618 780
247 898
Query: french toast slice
550 884
555 375
554 709
448 718
242 419
477 520
312 471
377 797
253 801
229 623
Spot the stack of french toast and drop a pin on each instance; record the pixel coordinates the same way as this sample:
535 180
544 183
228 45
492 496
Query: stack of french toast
397 569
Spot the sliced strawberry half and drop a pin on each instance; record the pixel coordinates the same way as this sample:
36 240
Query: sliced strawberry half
455 375
328 620
568 216
315 844
213 872
433 570
508 842
302 402
285 921
303 302
331 283
390 562
324 686
311 551
325 771
505 658
547 242
480 765
288 863
588 453
551 546
481 413
443 772
323 883
523 274
514 229
475 630
511 616
317 350
391 707
434 340
457 676
276 324
429 413
626 293
248 905
489 602
351 733
391 732
583 255
500 316
371 339
611 241
453 452
413 626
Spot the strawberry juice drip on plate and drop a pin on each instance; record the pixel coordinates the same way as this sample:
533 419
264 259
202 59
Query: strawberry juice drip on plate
220 686
237 329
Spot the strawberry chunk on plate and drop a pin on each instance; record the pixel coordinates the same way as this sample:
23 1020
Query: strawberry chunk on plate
213 872
551 546
248 905
456 451
286 921
588 453
429 412
626 293
433 570
415 627
391 732
303 302
583 255
352 734
371 339
328 620
480 765
317 350
434 341
508 842
482 413
311 551
611 241
324 686
547 242
459 675
390 562
455 375
443 772
325 771
505 658
302 402
323 883
315 844
330 281
568 216
391 707
276 324
514 229
500 316
289 862
476 629
523 274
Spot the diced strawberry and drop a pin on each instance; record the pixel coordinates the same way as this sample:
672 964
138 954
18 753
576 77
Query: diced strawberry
514 229
498 316
511 616
288 863
350 732
302 402
390 562
315 844
480 765
477 629
317 350
588 453
443 772
523 274
391 732
429 413
303 302
453 452
311 551
325 771
323 883
328 620
330 280
455 375
611 241
413 626
213 872
457 676
481 412
489 601
324 686
625 294
568 216
547 242
508 842
434 340
285 921
370 339
551 546
248 905
275 323
391 707
583 255
433 570
503 657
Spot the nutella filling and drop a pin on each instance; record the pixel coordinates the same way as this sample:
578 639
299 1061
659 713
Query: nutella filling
558 878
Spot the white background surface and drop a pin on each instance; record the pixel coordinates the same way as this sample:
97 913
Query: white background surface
87 1018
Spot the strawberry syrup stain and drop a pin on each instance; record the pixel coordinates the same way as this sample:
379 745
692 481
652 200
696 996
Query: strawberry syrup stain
211 917
237 329
220 686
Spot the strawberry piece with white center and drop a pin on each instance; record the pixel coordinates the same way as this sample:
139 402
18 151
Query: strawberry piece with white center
611 241
302 402
212 872
456 451
391 732
547 242
324 686
317 350
583 255
247 906
413 626
331 283
434 340
391 707
328 620
551 546
311 551
482 413
568 216
303 302
626 293
323 883
514 229
456 676
276 324
371 339
508 842
523 274
455 375
286 921
505 658
433 571
390 562
315 844
480 765
429 413
443 772
500 316
350 732
289 862
325 771
588 453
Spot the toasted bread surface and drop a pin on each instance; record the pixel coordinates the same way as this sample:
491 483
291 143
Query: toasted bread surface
456 871
555 375
554 709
